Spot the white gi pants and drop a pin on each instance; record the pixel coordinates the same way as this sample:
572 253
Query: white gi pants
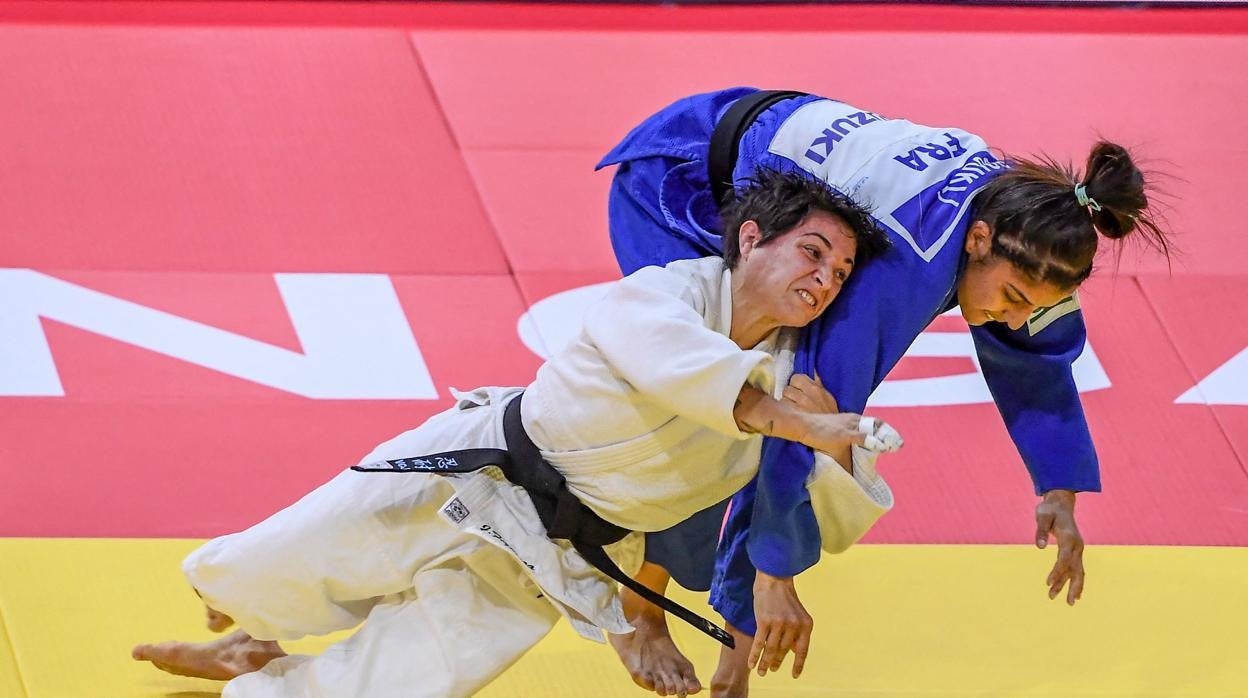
446 605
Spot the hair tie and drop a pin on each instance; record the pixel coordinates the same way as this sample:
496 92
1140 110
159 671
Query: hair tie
1081 195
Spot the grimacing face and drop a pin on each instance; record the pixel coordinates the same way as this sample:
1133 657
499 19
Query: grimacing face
993 290
793 277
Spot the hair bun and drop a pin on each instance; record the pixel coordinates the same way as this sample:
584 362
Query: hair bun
1116 184
1120 188
1111 223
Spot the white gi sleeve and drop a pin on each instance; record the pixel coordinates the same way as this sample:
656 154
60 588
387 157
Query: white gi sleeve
847 506
652 330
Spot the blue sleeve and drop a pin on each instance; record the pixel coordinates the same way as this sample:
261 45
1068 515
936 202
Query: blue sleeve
770 525
1032 383
784 537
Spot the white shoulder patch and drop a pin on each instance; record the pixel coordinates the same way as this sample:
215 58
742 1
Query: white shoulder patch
1044 317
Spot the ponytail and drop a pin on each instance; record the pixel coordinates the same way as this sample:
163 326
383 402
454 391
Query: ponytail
1045 219
1119 187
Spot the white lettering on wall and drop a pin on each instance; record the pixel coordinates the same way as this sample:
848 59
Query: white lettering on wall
1227 385
357 343
553 322
966 388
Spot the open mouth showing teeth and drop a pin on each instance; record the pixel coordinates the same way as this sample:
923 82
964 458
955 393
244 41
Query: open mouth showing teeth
810 300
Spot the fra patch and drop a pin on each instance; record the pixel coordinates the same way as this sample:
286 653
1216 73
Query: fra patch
1044 317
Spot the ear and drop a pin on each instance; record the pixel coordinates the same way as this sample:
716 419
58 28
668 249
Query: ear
748 237
979 241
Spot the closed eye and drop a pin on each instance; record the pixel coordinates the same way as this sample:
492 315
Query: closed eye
1015 296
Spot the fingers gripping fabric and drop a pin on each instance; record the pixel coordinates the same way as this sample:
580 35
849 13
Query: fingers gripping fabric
880 436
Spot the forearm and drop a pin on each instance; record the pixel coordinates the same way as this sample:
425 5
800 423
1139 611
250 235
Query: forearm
1060 495
764 582
1034 389
758 413
845 458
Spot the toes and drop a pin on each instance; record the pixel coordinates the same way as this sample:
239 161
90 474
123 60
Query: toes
170 668
150 653
675 684
682 683
643 679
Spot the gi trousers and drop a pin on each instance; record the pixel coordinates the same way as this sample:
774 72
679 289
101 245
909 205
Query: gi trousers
445 606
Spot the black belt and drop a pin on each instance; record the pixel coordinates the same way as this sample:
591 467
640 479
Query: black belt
562 514
722 159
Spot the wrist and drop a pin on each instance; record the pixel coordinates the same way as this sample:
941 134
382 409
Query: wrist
823 434
1065 497
762 579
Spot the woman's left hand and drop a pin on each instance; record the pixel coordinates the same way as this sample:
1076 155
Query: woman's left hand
783 625
1056 515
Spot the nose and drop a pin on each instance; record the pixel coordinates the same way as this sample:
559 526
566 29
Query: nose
823 277
1017 317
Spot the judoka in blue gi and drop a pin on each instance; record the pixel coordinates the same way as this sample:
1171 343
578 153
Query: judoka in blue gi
1008 241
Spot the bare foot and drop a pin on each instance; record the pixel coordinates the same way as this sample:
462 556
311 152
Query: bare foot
652 658
233 655
218 621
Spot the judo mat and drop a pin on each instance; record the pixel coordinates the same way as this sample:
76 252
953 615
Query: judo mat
891 620
240 243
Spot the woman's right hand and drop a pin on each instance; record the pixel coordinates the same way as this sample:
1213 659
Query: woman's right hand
806 415
832 433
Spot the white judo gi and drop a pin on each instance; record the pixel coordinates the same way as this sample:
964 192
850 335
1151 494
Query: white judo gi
453 576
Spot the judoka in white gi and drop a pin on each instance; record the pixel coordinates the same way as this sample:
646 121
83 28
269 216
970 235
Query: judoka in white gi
655 412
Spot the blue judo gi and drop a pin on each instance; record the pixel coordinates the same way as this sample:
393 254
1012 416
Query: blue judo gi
920 183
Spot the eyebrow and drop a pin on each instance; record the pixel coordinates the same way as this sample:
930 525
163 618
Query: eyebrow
821 237
847 260
1020 293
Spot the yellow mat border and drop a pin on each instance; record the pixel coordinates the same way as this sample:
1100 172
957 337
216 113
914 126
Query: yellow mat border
8 657
896 621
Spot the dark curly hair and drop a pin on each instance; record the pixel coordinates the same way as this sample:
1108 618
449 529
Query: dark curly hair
779 201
